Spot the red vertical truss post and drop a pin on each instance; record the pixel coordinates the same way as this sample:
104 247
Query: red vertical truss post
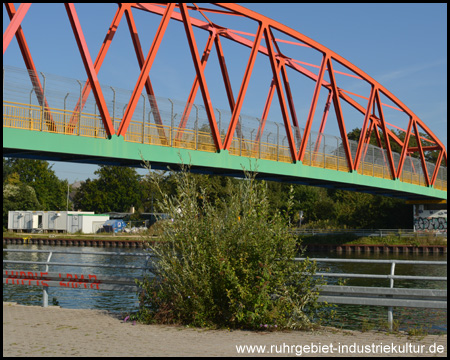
243 89
226 79
201 76
421 154
312 108
97 65
362 135
29 63
339 116
276 76
90 70
14 24
145 70
195 85
404 148
148 84
386 135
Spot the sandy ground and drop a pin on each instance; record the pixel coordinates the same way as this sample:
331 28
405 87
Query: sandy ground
53 331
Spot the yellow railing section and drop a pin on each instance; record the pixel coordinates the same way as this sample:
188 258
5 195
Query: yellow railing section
31 117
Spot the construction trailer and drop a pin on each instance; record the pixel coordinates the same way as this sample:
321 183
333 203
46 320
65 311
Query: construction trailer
56 221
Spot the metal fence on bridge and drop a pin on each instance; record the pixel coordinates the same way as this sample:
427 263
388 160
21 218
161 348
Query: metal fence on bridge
156 122
356 295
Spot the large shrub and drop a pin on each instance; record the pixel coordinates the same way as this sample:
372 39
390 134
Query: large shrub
228 264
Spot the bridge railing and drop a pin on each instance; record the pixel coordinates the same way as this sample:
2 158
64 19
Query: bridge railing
31 117
161 119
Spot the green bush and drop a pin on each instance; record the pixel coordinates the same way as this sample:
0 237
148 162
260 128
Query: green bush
228 264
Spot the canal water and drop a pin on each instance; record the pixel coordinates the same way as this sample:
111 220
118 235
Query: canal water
434 321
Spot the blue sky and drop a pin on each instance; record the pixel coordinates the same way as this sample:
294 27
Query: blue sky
402 46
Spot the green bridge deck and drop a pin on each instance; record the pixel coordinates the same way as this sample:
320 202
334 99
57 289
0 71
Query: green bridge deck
117 151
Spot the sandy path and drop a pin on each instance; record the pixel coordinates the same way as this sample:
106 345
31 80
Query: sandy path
53 331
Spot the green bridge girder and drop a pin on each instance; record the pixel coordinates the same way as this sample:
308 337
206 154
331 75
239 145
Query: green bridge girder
116 151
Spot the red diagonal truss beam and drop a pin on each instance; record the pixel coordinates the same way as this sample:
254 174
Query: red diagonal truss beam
145 70
16 20
422 157
29 63
148 84
312 109
404 149
386 135
201 76
195 85
276 76
362 136
90 70
243 89
97 65
339 116
226 80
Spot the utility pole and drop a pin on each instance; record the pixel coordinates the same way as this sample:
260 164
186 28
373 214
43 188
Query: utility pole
67 205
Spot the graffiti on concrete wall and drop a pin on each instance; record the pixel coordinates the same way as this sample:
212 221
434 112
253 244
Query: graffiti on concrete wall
429 220
424 224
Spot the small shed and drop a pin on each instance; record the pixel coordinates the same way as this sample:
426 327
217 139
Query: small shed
115 225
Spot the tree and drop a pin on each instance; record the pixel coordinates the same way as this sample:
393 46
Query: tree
227 264
116 189
18 196
430 156
51 192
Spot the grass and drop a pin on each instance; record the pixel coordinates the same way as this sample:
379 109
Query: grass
419 332
351 239
106 236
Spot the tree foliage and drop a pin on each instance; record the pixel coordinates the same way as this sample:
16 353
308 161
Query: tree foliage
430 156
116 189
51 192
18 196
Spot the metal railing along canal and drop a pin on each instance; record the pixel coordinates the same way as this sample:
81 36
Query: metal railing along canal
48 279
335 294
383 296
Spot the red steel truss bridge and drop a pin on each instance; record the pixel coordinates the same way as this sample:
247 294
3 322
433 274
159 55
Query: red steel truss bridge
85 121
